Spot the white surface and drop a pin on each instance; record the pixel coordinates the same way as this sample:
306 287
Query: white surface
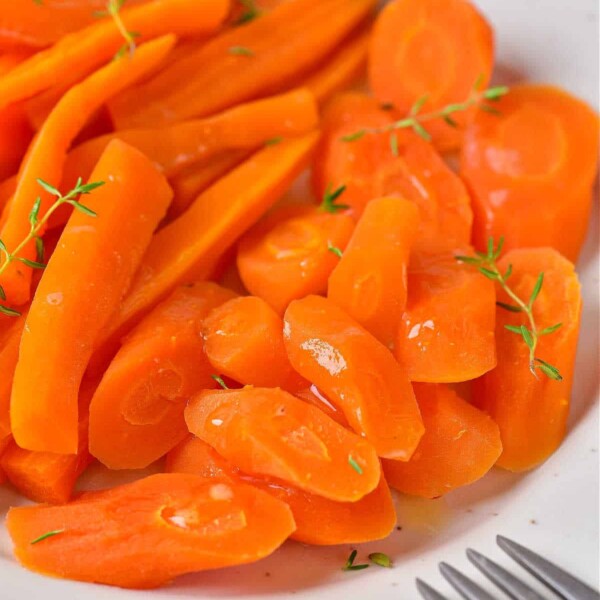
553 509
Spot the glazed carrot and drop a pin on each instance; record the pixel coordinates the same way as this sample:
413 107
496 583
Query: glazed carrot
243 339
318 520
438 48
370 168
532 412
531 170
447 330
369 282
187 248
271 433
307 30
82 286
313 396
136 415
76 55
173 524
3 444
46 155
287 255
460 445
356 372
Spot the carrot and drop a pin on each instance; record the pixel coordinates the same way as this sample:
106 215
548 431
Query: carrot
271 433
532 412
369 282
76 55
172 524
460 445
531 170
438 48
356 372
187 248
244 12
313 396
82 286
318 520
136 415
243 339
47 153
370 168
276 49
3 444
447 330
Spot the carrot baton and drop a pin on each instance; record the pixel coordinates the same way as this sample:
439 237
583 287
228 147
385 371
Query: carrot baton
82 286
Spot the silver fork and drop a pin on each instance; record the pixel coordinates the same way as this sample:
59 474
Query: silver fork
553 577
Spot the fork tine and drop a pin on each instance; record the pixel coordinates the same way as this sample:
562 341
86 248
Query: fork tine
467 588
558 580
428 592
506 581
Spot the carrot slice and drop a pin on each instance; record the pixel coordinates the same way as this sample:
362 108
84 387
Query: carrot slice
136 415
76 55
319 521
369 282
314 396
531 170
45 157
532 413
172 524
82 286
270 432
243 339
447 330
438 48
307 30
460 445
356 372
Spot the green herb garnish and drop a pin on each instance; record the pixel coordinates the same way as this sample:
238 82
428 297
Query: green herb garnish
329 203
46 535
350 566
381 559
220 381
355 465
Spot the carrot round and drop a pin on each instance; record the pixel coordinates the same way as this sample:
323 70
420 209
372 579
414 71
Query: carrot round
356 372
437 48
319 521
136 415
532 412
243 339
46 155
143 534
86 278
460 445
532 168
370 280
271 433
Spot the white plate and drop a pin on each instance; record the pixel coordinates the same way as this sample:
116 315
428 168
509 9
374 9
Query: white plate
553 509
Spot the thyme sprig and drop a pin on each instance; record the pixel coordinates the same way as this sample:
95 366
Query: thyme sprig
350 566
486 263
46 535
37 225
113 10
250 13
330 200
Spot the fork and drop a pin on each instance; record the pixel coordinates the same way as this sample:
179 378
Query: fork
553 577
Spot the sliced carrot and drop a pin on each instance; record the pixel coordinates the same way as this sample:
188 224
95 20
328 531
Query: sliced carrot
307 30
532 412
243 339
447 330
136 415
356 372
369 282
438 48
271 433
318 520
82 286
47 153
531 170
314 396
460 445
143 534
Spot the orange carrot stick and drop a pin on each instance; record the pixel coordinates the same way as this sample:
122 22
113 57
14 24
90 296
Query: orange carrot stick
82 286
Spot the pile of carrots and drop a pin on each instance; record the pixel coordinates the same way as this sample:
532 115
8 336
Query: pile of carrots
289 361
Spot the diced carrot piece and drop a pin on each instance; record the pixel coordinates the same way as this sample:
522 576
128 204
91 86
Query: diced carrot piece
356 372
270 432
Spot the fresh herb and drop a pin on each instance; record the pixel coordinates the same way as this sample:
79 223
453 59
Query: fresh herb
250 13
350 566
220 381
46 535
486 263
381 559
274 141
240 51
329 203
37 225
113 10
335 250
38 2
355 465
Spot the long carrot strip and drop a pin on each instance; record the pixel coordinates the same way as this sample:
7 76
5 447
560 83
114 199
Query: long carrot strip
82 286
